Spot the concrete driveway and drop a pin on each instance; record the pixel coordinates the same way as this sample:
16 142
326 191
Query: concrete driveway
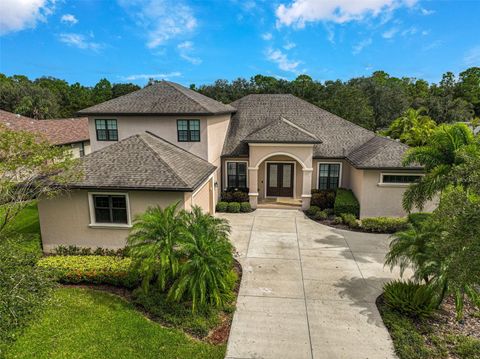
308 291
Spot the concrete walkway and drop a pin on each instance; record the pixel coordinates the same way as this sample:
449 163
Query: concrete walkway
308 291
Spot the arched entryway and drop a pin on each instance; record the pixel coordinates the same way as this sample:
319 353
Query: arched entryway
280 171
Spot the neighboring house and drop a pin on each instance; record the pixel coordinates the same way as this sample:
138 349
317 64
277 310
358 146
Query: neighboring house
71 132
168 144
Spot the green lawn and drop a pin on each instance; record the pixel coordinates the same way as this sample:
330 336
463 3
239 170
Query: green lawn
83 323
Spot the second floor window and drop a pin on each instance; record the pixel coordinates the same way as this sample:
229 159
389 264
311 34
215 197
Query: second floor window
188 130
106 130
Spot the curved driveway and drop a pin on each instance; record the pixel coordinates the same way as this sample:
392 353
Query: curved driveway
308 291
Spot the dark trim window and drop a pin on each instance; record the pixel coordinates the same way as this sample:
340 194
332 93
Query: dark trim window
328 175
106 130
110 208
236 174
188 130
82 149
400 178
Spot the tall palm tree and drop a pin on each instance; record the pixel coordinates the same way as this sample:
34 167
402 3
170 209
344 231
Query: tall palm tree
442 152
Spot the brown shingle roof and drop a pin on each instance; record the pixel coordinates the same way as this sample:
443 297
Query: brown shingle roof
162 98
339 138
57 131
143 161
281 131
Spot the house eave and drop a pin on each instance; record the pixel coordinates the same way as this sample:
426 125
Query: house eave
151 114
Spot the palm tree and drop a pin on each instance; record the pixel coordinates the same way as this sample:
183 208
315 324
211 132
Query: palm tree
205 275
152 242
442 152
413 127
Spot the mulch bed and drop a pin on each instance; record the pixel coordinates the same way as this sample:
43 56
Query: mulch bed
218 335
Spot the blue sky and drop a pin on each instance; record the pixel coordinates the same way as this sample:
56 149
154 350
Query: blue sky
199 41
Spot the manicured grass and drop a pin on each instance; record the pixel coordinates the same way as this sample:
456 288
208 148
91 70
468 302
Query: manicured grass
27 224
84 323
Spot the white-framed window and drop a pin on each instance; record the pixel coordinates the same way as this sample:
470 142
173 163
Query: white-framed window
236 174
329 175
109 209
399 179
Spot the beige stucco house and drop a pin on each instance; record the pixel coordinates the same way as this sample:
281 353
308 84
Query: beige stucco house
166 143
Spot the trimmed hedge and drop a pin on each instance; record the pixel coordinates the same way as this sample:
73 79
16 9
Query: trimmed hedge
384 224
221 206
323 198
346 202
233 207
320 215
91 269
245 207
235 196
312 211
85 251
350 220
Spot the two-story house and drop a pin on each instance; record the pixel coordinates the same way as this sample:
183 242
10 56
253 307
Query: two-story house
166 143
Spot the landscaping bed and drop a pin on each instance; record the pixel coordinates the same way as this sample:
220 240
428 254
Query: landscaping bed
438 337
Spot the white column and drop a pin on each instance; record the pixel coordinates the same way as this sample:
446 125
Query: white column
307 187
253 186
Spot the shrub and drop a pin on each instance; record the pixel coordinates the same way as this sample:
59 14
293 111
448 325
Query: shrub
323 198
234 195
346 202
24 287
85 251
337 220
415 300
320 215
418 218
245 207
312 211
90 269
350 220
384 224
221 206
233 207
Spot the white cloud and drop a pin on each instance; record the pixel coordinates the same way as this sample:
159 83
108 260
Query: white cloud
17 15
330 33
185 48
410 31
282 61
472 57
426 12
433 45
162 19
361 45
300 12
165 76
267 36
390 33
69 19
80 41
289 45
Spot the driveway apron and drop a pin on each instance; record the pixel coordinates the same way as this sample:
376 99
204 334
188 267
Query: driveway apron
307 291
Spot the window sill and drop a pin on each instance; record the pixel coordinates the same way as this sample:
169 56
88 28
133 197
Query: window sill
403 185
110 225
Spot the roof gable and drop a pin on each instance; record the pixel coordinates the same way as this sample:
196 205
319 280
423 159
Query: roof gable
162 98
143 161
281 131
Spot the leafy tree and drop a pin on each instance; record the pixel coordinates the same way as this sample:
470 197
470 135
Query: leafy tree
468 87
38 103
413 127
439 157
123 89
102 91
26 160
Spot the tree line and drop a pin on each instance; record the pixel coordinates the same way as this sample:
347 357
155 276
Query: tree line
373 102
